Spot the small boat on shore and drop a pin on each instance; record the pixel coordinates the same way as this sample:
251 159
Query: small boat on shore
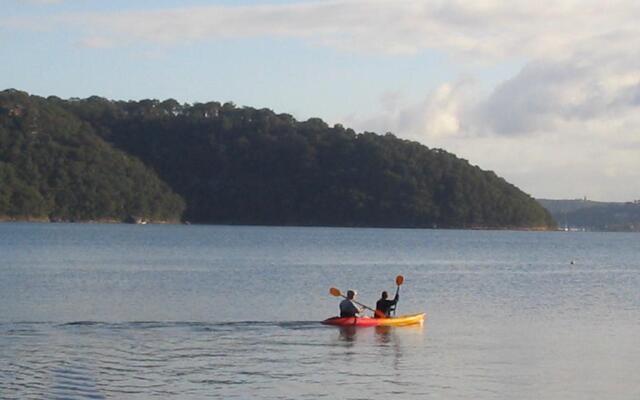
402 320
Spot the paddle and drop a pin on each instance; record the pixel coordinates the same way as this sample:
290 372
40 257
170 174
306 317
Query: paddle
336 292
399 281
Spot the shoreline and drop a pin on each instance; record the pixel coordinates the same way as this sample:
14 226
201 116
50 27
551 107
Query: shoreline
163 222
132 221
5 219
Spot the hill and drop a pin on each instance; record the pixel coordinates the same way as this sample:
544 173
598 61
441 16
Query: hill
595 216
248 166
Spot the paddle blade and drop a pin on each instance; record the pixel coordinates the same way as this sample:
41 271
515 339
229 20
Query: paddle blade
399 280
335 292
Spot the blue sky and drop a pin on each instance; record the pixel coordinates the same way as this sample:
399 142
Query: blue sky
284 74
545 94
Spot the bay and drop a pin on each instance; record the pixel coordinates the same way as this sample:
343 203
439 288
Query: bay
173 311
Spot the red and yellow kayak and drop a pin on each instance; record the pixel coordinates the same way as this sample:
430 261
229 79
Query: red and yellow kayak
403 320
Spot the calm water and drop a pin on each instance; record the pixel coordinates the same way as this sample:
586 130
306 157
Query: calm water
195 312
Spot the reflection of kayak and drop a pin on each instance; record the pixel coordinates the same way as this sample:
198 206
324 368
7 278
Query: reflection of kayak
403 320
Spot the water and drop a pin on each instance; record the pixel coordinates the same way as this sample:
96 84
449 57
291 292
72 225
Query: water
195 312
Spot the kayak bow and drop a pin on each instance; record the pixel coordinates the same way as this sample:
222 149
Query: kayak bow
403 320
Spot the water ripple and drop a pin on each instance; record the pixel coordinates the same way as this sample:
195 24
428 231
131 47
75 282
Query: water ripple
156 359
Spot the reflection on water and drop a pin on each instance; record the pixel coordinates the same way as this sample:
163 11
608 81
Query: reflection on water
348 333
383 335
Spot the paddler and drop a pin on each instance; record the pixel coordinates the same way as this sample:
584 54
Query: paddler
383 306
347 307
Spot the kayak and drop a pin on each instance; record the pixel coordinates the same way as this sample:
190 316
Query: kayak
403 320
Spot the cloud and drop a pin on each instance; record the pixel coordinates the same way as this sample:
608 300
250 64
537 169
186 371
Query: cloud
544 96
557 129
96 42
440 114
548 94
40 1
567 124
484 29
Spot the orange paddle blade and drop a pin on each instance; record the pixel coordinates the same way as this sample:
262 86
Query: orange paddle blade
335 292
399 280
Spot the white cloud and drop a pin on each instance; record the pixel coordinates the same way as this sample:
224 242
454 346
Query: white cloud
561 127
547 94
96 42
553 130
40 1
439 115
486 29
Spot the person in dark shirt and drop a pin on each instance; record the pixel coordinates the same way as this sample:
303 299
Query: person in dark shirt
347 306
383 306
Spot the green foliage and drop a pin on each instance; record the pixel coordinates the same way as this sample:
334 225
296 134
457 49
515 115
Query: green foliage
53 165
248 166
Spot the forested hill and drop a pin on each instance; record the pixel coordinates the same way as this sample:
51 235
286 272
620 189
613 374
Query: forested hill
238 166
595 215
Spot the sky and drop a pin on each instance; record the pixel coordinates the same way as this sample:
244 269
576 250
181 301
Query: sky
544 93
